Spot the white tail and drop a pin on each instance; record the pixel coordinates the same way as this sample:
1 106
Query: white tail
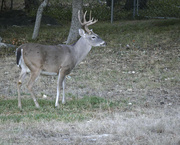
54 59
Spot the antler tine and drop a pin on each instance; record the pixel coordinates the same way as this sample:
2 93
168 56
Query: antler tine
86 23
93 22
86 26
79 17
90 16
85 17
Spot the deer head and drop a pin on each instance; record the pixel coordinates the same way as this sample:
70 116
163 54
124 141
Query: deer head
92 38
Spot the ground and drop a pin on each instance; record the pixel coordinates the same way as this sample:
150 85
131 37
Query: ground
139 86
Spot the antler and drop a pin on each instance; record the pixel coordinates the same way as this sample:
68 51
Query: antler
86 23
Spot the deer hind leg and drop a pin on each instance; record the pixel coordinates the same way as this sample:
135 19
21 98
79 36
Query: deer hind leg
19 83
34 76
60 84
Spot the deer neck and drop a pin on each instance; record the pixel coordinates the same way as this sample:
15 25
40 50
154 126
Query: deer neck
82 48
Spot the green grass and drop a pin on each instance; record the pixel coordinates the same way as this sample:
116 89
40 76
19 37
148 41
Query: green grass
74 110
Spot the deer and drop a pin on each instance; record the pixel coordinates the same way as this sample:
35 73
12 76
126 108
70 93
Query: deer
60 60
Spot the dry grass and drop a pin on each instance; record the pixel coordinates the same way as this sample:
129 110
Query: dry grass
142 126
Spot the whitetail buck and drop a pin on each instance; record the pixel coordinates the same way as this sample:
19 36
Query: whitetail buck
55 59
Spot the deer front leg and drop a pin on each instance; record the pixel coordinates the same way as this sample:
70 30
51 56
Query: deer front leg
60 84
63 85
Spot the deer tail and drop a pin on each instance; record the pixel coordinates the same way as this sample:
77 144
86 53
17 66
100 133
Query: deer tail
18 55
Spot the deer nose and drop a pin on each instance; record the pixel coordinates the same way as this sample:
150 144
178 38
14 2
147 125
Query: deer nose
103 43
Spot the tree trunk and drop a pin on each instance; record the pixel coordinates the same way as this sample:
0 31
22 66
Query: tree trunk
75 25
38 18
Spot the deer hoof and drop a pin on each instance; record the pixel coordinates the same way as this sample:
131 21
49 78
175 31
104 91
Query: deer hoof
57 105
37 106
19 82
20 107
63 102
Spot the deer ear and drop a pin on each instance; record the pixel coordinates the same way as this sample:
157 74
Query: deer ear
82 33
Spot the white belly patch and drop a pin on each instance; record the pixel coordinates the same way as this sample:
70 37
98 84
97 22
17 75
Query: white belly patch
49 73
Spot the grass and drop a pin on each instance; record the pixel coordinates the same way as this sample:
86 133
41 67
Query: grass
119 33
151 34
119 95
76 109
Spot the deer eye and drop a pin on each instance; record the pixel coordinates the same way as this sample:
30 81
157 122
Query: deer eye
93 37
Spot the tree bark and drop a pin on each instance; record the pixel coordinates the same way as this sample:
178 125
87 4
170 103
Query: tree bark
38 18
75 25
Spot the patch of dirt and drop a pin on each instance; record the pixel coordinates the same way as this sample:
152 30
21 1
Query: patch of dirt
20 18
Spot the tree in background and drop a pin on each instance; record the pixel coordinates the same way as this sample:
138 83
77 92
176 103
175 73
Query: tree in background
29 4
38 18
4 6
75 25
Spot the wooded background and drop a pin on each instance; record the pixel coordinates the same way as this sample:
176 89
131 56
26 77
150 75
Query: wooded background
67 11
144 8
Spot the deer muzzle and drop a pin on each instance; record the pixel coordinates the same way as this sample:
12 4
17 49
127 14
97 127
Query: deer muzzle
103 44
